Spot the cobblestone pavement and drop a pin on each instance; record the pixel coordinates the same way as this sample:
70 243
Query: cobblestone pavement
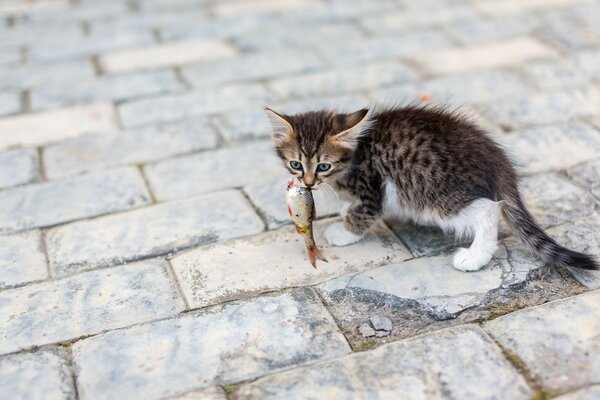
145 250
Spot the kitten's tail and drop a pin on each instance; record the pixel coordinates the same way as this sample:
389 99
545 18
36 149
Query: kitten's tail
528 231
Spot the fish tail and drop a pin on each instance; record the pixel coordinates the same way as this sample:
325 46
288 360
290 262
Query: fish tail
315 254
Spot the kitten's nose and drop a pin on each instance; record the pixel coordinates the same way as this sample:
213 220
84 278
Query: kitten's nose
309 184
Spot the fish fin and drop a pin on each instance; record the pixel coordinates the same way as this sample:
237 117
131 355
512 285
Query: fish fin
314 212
315 254
298 230
290 211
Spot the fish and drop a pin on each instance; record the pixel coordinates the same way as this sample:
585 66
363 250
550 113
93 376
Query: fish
301 207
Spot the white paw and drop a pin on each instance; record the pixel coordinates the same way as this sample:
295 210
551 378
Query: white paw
470 259
337 235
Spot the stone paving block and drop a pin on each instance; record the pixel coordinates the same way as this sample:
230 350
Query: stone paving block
26 31
258 6
480 30
581 235
85 304
553 199
49 126
335 11
222 169
349 80
135 146
424 240
589 393
457 363
558 342
185 106
33 75
166 54
10 103
565 73
22 259
501 8
16 8
572 31
10 56
42 375
151 19
474 87
56 202
60 48
377 49
245 124
504 53
18 167
552 147
340 103
151 231
110 88
251 67
215 393
235 342
587 176
274 261
410 19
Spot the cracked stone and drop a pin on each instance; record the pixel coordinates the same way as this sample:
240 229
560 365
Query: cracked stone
366 330
381 323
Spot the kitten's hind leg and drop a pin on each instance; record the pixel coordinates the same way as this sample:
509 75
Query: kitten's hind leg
481 218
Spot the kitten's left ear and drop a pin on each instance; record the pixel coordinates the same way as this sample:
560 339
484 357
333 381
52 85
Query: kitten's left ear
282 127
355 125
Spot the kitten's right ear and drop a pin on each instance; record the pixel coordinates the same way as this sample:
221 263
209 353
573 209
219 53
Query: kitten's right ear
282 127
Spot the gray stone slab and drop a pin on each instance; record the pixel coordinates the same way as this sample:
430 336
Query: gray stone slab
207 172
33 75
42 375
56 202
582 235
22 259
559 342
589 393
150 231
250 123
18 167
136 146
344 81
225 344
113 88
276 260
85 304
479 30
553 147
424 240
255 66
571 32
340 103
553 199
10 103
458 363
215 393
564 73
544 108
587 175
418 17
431 281
186 106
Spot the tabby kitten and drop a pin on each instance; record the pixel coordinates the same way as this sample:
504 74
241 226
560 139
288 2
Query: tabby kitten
420 163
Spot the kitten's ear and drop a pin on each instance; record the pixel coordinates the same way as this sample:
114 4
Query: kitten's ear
355 125
282 128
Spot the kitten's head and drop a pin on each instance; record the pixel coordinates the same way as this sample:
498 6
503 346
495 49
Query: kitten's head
317 146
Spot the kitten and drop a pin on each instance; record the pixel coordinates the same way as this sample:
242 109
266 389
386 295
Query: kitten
425 164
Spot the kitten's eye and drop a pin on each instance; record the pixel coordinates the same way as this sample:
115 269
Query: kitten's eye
297 165
323 167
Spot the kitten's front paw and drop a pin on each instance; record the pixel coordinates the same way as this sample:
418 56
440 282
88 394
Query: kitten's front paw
470 259
337 235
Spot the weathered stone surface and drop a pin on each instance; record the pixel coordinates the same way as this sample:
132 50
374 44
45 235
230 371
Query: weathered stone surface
381 323
276 260
341 103
553 147
458 363
251 67
55 202
150 231
10 103
489 55
235 342
33 75
564 73
215 393
589 393
22 259
424 240
587 175
190 105
41 128
251 123
558 342
261 6
18 167
109 88
222 169
415 17
42 375
347 80
582 235
544 108
166 54
85 304
553 199
136 146
578 30
481 30
503 8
